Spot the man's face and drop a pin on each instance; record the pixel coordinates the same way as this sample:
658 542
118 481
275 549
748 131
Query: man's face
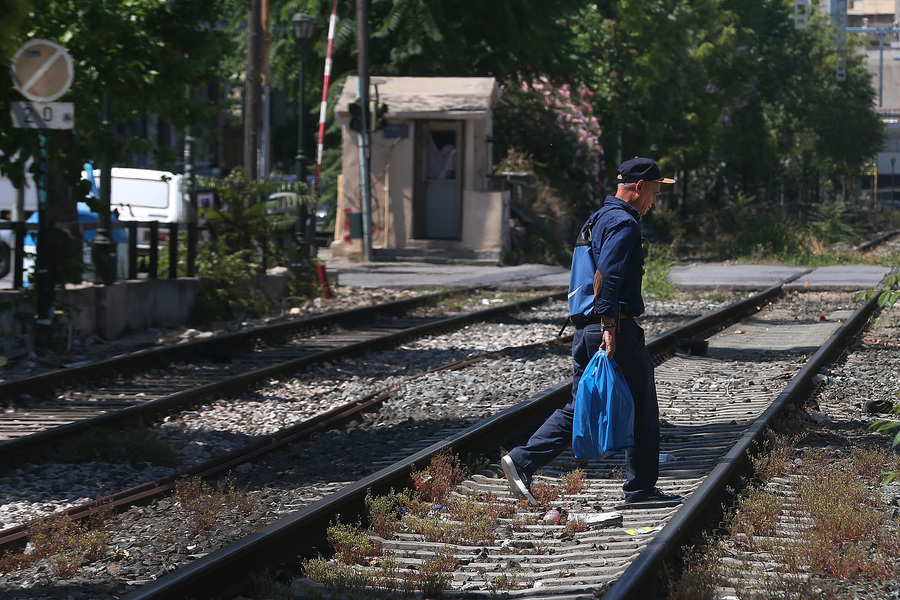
646 198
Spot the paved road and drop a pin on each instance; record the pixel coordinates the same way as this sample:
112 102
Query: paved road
405 275
694 276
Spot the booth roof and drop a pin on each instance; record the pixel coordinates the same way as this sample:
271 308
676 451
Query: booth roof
427 97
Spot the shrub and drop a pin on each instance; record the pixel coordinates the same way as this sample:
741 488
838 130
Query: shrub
657 282
556 127
351 544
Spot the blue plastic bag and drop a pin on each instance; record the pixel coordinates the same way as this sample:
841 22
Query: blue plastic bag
604 411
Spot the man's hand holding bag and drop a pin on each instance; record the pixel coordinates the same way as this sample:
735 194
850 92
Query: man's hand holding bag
604 411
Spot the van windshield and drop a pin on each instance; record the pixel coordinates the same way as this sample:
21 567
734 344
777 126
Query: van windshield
139 192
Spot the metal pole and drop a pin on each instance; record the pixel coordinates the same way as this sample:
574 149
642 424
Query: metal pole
252 98
362 18
43 273
301 147
323 108
103 251
881 33
188 197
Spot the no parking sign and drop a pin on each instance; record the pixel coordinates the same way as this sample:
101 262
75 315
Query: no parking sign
42 71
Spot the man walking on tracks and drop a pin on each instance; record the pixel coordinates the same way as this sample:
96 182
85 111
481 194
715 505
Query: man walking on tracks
609 323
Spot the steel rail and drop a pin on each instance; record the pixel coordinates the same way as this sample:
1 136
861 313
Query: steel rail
151 409
703 325
335 417
226 340
304 530
874 242
643 576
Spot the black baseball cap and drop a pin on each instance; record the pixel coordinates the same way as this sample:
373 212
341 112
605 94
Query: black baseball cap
637 168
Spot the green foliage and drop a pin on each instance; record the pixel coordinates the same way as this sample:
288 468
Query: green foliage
206 505
831 224
269 585
440 477
14 13
67 543
351 544
888 294
243 231
246 213
465 38
225 289
141 55
555 126
657 282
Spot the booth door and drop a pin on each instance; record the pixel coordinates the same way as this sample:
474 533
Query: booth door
438 203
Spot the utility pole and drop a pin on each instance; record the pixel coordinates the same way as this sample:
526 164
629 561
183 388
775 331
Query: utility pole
365 188
252 91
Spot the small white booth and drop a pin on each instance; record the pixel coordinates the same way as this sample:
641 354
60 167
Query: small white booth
430 172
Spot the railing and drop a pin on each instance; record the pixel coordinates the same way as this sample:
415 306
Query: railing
142 242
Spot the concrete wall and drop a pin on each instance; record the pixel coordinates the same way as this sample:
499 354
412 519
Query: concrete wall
112 310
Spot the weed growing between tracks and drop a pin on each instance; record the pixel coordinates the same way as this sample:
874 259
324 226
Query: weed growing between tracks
68 545
819 527
438 512
206 505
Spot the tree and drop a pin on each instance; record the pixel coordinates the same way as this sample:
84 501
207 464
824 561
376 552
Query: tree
14 12
725 91
142 56
501 38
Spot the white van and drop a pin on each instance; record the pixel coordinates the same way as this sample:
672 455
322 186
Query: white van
137 195
146 195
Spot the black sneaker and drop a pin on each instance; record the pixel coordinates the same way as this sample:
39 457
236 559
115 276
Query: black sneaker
655 497
519 482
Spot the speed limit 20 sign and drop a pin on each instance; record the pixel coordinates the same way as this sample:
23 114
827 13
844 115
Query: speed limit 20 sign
42 71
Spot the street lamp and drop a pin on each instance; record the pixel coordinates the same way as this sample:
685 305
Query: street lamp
304 24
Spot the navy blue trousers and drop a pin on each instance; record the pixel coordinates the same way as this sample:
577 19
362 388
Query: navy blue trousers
555 435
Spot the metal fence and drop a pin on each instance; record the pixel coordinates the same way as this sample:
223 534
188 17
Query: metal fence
144 240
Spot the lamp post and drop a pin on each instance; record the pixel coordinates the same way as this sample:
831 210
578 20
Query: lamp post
304 24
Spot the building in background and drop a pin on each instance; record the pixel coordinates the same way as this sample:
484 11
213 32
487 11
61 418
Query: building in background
430 172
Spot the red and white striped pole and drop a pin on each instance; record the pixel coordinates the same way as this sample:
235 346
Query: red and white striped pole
323 109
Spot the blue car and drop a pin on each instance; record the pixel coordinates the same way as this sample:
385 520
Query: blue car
85 215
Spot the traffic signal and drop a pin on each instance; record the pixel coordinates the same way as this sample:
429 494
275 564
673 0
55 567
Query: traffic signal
379 122
356 116
801 14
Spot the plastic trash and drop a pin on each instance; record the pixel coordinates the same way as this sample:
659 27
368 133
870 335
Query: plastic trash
643 530
597 519
822 378
551 517
664 458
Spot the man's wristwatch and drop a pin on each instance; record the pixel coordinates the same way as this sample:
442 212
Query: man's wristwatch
604 326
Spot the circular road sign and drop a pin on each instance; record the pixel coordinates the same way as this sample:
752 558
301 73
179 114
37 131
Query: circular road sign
42 70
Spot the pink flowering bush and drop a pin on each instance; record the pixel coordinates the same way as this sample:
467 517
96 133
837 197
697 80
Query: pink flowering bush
555 124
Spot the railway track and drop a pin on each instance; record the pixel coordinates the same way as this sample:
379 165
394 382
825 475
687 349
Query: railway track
146 385
197 578
736 411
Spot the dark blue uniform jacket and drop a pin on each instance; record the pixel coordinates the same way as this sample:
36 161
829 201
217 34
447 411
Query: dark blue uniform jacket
618 255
